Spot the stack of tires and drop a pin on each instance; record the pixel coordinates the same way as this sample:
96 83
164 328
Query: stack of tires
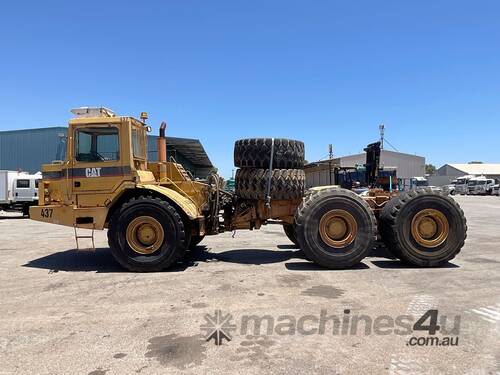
253 158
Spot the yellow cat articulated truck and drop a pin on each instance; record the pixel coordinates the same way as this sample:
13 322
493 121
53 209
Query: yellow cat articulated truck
154 211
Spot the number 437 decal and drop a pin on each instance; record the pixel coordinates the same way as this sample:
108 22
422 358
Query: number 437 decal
46 213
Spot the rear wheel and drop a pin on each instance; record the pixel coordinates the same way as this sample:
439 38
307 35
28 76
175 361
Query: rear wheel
146 234
335 228
423 227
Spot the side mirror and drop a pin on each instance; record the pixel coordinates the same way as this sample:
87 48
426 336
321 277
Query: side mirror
148 129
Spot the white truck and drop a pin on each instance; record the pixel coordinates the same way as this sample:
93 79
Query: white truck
480 186
18 190
419 182
496 190
461 184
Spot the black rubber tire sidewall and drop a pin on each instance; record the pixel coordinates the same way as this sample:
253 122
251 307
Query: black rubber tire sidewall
320 252
407 244
163 257
251 183
256 153
384 226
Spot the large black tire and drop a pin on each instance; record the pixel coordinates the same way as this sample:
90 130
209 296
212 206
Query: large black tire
194 241
290 233
319 204
172 247
251 183
395 226
256 153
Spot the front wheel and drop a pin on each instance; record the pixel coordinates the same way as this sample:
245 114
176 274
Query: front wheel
146 234
335 227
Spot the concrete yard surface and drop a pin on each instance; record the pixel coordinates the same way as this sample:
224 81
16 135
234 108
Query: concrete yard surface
64 311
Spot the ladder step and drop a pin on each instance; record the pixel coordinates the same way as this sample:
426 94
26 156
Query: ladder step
77 237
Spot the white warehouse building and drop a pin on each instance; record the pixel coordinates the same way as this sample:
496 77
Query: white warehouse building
406 165
449 172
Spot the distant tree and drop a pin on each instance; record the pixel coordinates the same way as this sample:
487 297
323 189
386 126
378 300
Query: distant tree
475 162
430 169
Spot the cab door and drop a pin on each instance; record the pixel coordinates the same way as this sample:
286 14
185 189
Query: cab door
23 191
97 167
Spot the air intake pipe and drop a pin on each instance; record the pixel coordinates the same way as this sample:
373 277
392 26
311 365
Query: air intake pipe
161 143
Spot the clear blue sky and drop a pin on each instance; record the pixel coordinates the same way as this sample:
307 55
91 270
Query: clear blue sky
320 71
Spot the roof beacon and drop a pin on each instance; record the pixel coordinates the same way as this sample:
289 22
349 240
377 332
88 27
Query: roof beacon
92 112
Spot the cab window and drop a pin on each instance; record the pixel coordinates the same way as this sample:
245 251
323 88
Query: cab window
97 144
23 184
138 146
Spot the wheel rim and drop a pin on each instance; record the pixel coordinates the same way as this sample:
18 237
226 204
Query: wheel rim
338 228
145 235
430 228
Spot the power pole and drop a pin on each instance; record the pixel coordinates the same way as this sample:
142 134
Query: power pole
330 157
381 128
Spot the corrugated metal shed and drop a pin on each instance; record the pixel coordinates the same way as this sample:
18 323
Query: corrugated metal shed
188 152
320 174
28 149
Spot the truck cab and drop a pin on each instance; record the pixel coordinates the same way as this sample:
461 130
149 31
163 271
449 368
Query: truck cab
461 184
419 183
106 164
480 186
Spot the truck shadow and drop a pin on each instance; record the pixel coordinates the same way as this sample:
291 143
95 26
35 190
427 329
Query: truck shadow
102 260
379 251
241 256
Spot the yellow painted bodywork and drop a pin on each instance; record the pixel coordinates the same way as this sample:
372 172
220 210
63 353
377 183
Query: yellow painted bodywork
187 204
81 194
67 215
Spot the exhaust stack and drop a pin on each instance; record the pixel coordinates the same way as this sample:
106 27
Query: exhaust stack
162 144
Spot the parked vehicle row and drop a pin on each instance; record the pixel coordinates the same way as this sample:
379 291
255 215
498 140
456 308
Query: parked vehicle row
472 185
18 190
